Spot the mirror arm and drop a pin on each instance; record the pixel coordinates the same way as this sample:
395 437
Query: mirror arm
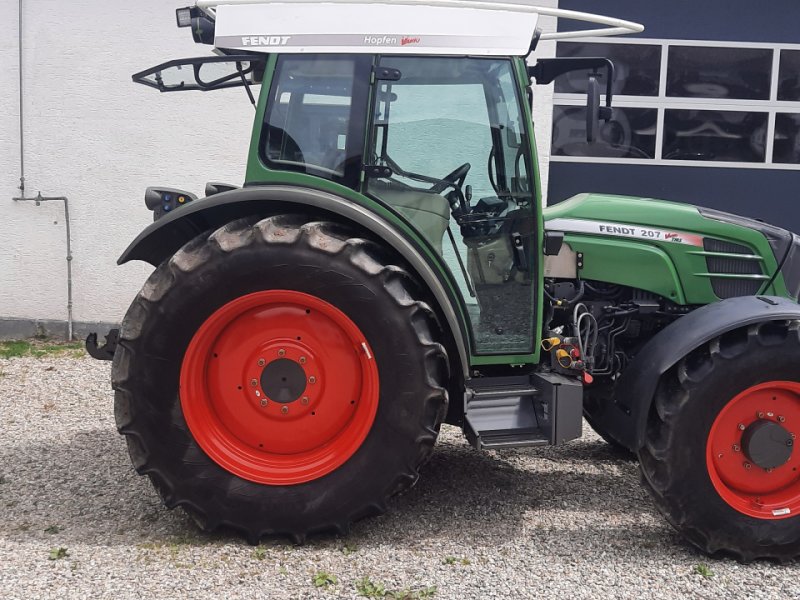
246 85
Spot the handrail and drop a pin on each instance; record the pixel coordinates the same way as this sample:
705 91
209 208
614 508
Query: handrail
613 26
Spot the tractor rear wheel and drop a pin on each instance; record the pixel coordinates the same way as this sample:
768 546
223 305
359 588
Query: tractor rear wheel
719 456
280 377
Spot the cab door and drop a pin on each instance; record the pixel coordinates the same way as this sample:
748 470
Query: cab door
448 150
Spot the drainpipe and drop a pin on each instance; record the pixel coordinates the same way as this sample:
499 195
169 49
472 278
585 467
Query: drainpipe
39 198
21 111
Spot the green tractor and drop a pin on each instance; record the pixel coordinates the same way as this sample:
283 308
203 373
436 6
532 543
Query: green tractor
388 267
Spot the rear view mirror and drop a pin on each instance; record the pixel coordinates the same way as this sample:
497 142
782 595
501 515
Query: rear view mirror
592 109
595 112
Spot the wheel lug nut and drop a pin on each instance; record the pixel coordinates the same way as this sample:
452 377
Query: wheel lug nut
261 362
720 455
281 352
302 360
790 443
768 470
304 400
254 382
741 426
312 379
736 448
747 465
263 402
781 419
284 409
770 414
760 415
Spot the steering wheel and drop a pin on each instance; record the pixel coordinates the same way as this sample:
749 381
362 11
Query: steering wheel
454 179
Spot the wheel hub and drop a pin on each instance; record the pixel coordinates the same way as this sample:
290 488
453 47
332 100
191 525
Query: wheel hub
283 380
767 444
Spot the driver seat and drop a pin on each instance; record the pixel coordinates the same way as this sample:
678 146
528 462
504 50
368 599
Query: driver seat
427 211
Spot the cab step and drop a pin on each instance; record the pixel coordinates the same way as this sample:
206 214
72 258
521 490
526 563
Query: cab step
531 410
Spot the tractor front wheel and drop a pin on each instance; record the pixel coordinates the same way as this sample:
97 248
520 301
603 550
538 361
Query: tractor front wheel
719 457
280 377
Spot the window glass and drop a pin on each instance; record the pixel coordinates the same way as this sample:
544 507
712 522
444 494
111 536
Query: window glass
308 116
789 76
709 72
631 133
516 181
787 139
731 136
636 68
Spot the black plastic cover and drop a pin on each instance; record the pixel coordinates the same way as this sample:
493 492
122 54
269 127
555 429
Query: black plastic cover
791 268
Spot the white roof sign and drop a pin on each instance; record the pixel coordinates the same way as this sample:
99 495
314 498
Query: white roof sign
372 28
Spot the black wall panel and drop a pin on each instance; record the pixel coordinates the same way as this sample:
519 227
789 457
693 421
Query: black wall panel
774 21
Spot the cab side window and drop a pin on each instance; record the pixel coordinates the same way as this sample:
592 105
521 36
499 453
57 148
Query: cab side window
308 124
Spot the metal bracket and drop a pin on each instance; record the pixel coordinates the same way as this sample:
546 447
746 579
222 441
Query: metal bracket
378 171
106 351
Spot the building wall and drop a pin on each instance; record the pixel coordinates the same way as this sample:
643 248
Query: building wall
92 135
97 138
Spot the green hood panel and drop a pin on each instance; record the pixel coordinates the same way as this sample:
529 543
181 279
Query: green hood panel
666 248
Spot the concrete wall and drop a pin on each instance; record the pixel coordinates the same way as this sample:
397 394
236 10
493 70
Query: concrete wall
92 135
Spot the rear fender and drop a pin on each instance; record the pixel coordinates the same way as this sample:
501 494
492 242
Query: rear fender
167 235
625 419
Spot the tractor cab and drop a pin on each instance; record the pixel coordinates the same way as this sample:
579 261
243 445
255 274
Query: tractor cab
434 128
442 143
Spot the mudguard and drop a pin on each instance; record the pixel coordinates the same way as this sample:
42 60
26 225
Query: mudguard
166 236
626 418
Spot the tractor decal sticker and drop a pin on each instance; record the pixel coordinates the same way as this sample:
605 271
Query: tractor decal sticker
409 40
624 230
355 40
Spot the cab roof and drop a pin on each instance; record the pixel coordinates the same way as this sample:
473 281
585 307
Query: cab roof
432 27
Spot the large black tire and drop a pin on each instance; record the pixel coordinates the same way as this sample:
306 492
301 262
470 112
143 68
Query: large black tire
325 260
688 402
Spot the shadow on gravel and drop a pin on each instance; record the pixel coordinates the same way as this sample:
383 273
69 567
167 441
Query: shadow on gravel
84 489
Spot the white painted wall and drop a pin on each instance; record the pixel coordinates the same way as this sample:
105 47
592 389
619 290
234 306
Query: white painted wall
97 138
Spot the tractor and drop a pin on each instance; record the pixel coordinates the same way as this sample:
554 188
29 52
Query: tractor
388 266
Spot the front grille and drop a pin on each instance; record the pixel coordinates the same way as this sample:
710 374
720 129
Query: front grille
727 287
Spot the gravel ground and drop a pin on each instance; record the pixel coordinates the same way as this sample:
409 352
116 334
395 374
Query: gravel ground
515 524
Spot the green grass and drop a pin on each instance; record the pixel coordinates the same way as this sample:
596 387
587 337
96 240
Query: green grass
58 553
374 589
38 349
704 570
323 579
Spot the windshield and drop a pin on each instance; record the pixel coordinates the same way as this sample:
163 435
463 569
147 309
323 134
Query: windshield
467 110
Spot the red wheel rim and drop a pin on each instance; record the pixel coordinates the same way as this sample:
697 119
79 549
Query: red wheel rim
764 493
279 387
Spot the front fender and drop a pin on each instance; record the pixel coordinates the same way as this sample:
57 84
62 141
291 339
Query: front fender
625 419
166 236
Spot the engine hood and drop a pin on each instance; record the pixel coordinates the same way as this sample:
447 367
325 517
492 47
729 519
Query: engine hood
680 231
